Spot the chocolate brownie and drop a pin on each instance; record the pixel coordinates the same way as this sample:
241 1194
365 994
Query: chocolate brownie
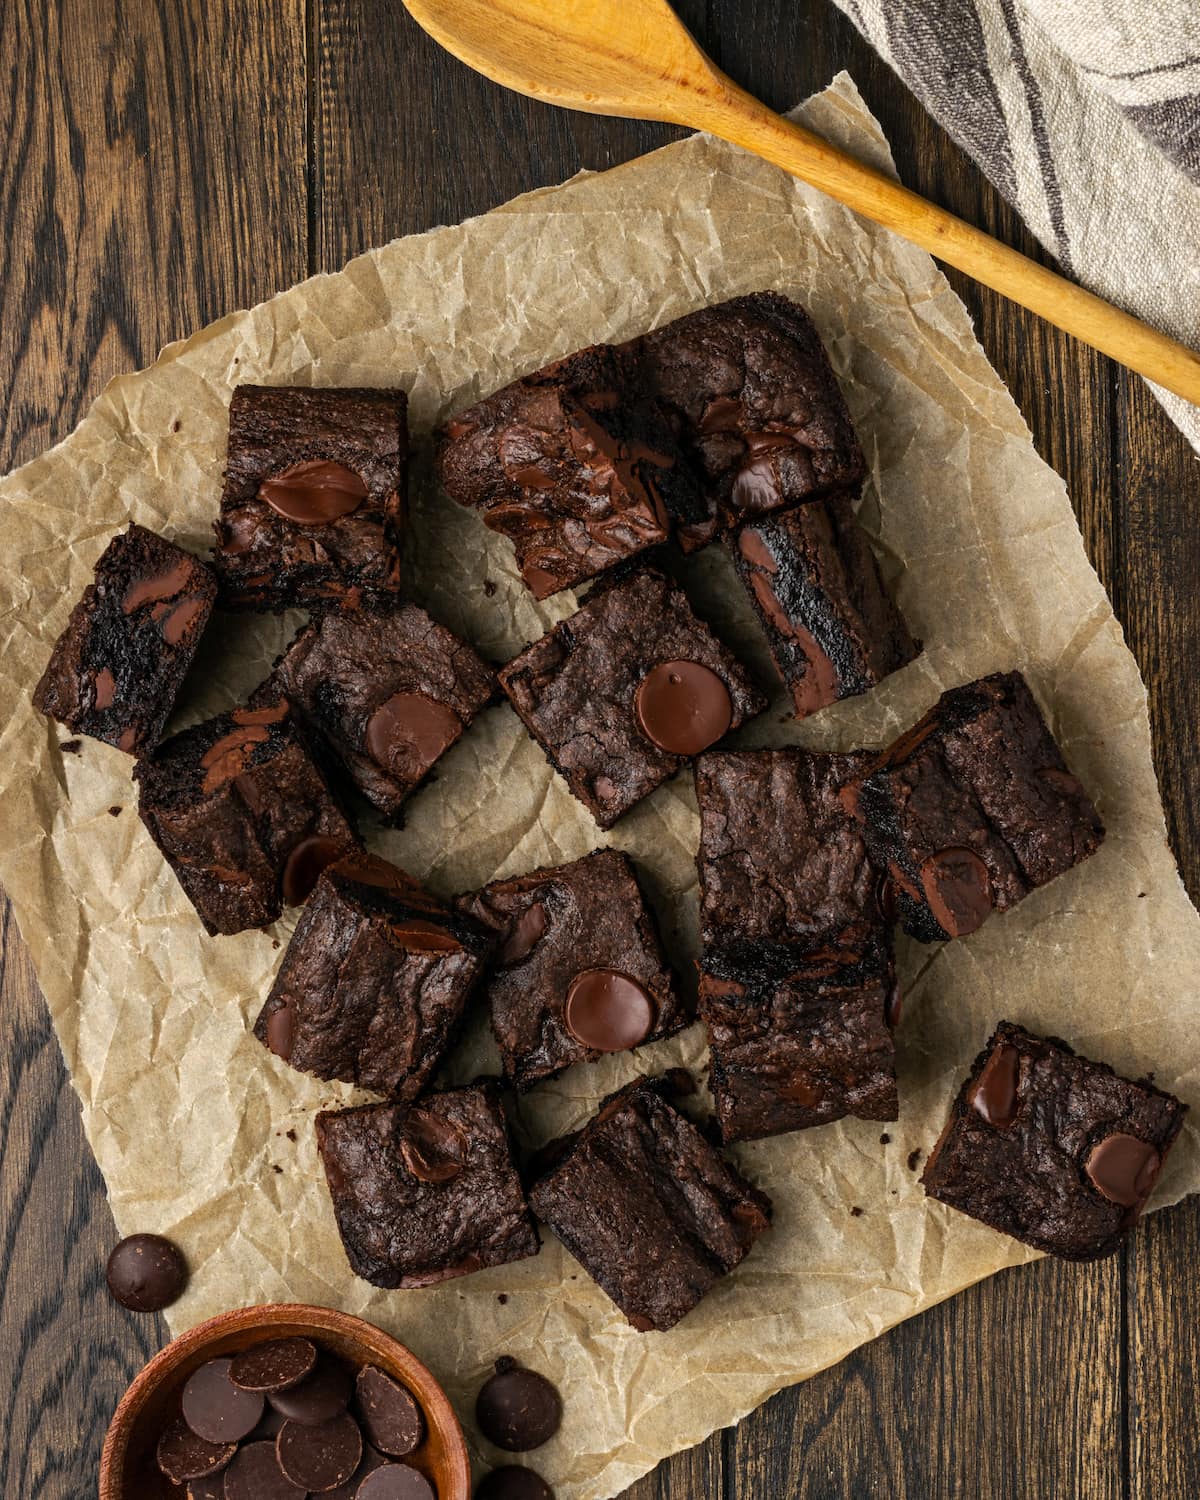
751 392
574 464
628 690
426 1191
648 1207
781 861
814 582
580 969
119 664
389 691
798 1039
373 984
314 497
1050 1148
972 809
242 815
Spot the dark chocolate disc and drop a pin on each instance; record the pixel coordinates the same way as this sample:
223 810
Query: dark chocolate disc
434 1149
320 1458
409 731
391 1418
214 1408
1123 1168
371 1460
683 707
995 1095
314 492
183 1456
304 864
146 1272
608 1011
319 1397
958 889
255 1475
513 1483
273 1366
518 1409
396 1482
270 1425
210 1487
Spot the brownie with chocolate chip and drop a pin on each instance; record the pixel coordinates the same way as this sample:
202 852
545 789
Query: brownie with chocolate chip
1053 1149
750 390
117 667
972 809
627 690
242 815
426 1191
648 1206
832 627
575 464
579 968
374 982
389 691
314 498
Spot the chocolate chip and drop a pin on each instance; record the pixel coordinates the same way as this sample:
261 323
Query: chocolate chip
215 1409
304 864
1123 1168
518 1409
313 492
527 932
958 888
683 707
512 1483
146 1272
608 1011
273 1366
409 731
255 1475
320 1397
433 1149
182 1455
396 1482
210 1487
320 1458
371 1460
391 1418
995 1095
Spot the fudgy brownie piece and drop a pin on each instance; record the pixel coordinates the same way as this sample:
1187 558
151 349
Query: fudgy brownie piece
972 809
242 815
832 628
118 665
574 464
374 982
314 497
752 395
781 860
651 1210
389 691
580 970
798 1039
426 1191
1050 1148
627 690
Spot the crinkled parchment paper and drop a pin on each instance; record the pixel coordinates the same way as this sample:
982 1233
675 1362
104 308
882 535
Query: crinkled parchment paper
190 1118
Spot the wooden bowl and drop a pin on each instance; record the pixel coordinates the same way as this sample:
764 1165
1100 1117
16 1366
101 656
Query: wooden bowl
127 1466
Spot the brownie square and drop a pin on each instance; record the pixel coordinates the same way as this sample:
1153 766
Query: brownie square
574 464
812 577
580 970
314 496
242 815
628 690
374 982
781 860
1050 1148
426 1191
798 1039
389 692
972 809
648 1207
750 390
117 667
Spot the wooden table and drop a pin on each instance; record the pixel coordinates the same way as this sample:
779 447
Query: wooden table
168 160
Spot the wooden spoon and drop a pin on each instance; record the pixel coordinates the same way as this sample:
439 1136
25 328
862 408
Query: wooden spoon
634 58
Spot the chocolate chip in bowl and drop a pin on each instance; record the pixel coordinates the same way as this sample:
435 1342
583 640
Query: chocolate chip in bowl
324 1445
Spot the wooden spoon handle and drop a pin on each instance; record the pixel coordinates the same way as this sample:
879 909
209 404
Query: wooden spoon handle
728 111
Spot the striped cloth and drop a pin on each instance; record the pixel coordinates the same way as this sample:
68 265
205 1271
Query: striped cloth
1085 114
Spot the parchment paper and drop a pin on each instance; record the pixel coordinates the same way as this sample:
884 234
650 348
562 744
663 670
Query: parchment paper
190 1118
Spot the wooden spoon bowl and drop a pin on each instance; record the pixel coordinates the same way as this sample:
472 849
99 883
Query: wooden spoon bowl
127 1465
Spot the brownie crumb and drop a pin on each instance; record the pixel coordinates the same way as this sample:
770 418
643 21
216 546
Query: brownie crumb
114 811
275 943
489 588
885 1139
856 1212
71 747
275 1167
291 1135
502 1298
176 425
913 1158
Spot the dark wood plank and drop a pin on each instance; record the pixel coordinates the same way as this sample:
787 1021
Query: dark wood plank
144 192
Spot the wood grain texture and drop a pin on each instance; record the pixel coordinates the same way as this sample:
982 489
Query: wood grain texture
148 188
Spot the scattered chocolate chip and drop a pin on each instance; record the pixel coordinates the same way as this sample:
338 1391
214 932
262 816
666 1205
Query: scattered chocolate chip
391 1419
518 1409
325 1394
913 1158
273 1366
146 1272
320 1458
215 1409
396 1482
513 1483
489 588
182 1455
71 747
255 1475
